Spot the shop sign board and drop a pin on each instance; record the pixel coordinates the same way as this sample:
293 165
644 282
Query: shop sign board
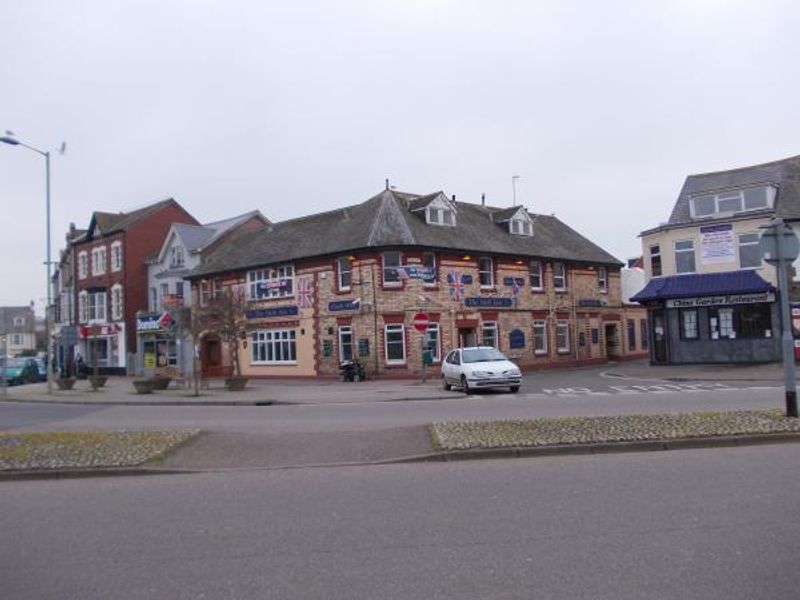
344 305
717 244
266 313
489 302
721 300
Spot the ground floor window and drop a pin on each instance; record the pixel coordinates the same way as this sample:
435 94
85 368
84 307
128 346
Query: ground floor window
274 346
643 333
395 343
689 329
744 321
160 352
540 337
631 334
345 343
432 341
562 336
489 334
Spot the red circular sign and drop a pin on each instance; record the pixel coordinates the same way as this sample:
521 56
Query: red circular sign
420 322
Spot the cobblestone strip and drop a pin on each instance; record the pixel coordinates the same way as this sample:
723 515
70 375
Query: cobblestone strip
464 435
86 450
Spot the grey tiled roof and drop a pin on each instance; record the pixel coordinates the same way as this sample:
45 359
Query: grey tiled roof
112 222
784 173
385 220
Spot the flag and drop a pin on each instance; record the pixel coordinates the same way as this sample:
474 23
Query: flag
305 292
456 286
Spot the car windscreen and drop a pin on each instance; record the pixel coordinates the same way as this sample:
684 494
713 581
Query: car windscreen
15 363
473 355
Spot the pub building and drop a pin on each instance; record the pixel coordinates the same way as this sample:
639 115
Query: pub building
729 317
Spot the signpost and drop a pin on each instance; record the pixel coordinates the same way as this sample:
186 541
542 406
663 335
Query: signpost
780 247
420 323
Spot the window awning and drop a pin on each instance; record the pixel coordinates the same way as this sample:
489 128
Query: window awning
697 285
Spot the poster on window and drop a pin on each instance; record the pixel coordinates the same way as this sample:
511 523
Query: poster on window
717 244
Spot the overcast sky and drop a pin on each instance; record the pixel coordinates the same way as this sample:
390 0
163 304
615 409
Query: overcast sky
296 107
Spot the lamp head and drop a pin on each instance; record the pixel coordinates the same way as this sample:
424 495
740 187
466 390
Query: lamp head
9 140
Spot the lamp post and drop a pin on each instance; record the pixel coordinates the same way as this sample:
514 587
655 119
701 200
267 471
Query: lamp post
48 356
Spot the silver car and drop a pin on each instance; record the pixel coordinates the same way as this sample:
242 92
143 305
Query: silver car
479 367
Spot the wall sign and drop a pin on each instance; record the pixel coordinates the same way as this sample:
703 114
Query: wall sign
327 347
589 303
344 305
266 313
516 339
511 281
489 302
717 244
721 300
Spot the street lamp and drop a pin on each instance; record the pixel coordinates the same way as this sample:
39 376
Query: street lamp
9 139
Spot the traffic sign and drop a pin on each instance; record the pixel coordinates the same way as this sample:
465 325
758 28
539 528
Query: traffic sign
420 322
768 243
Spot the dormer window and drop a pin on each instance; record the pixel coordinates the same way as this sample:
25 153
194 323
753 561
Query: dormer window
520 227
176 256
441 216
732 201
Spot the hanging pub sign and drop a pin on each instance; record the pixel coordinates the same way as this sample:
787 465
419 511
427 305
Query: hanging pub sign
516 339
344 305
721 300
488 302
266 313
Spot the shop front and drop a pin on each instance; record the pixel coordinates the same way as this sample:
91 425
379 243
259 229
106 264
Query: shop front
712 318
102 346
160 345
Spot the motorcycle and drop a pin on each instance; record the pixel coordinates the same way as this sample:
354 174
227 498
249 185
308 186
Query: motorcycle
351 371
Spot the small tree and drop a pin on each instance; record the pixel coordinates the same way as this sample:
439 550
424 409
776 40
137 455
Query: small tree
225 316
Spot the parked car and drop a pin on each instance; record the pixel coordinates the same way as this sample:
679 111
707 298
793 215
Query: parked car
21 370
41 367
479 367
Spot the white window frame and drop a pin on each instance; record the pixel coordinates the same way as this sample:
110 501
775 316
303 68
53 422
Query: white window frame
520 227
271 276
653 255
281 341
490 326
99 259
684 251
176 256
16 339
97 307
83 307
394 268
116 302
436 346
19 321
728 196
541 326
562 287
346 330
394 328
754 241
535 270
602 280
210 289
344 268
445 217
482 270
432 265
83 264
153 298
562 330
116 256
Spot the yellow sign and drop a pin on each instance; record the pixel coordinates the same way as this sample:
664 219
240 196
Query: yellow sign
149 360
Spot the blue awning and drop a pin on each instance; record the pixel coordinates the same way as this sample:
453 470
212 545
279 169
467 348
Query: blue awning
698 285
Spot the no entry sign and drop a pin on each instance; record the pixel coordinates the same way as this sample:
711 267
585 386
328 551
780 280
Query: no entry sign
420 322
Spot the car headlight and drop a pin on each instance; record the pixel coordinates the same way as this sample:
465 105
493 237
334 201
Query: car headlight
515 373
481 374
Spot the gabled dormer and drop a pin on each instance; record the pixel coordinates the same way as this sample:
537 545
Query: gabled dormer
436 209
516 219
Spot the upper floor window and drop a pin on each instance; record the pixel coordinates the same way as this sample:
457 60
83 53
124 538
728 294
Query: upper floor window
441 216
19 321
749 250
83 265
98 260
116 256
271 283
116 302
754 198
520 227
176 256
536 275
655 260
559 277
83 307
210 289
97 306
485 271
684 256
344 273
602 279
429 262
391 268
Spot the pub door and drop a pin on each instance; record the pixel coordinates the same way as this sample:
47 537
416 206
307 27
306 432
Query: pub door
211 357
658 333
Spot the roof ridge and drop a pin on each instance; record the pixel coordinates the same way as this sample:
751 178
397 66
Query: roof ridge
755 166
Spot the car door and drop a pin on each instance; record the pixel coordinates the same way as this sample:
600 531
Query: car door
448 366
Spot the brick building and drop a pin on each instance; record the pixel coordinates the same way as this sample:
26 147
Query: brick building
347 283
107 279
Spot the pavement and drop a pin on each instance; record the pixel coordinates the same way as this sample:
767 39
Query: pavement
236 450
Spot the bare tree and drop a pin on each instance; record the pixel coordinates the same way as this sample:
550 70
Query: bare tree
225 315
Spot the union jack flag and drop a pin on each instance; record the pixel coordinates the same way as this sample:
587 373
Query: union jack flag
305 292
456 286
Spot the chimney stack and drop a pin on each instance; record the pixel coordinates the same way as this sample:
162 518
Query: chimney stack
483 199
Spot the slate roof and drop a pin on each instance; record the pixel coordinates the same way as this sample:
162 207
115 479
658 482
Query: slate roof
385 220
702 284
784 173
112 222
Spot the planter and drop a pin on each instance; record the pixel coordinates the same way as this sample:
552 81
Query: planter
97 381
144 386
65 383
161 383
236 384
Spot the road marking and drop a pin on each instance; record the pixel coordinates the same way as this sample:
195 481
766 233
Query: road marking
659 388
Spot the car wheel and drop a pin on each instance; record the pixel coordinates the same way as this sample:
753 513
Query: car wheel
514 389
446 385
465 384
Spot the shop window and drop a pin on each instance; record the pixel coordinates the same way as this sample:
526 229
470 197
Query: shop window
655 260
689 330
273 346
395 343
489 334
743 321
559 277
631 326
536 275
562 336
643 333
344 273
485 272
540 337
345 343
432 341
684 256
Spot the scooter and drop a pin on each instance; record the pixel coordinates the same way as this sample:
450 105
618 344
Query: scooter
351 371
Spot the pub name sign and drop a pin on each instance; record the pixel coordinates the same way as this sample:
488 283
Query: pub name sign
721 300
